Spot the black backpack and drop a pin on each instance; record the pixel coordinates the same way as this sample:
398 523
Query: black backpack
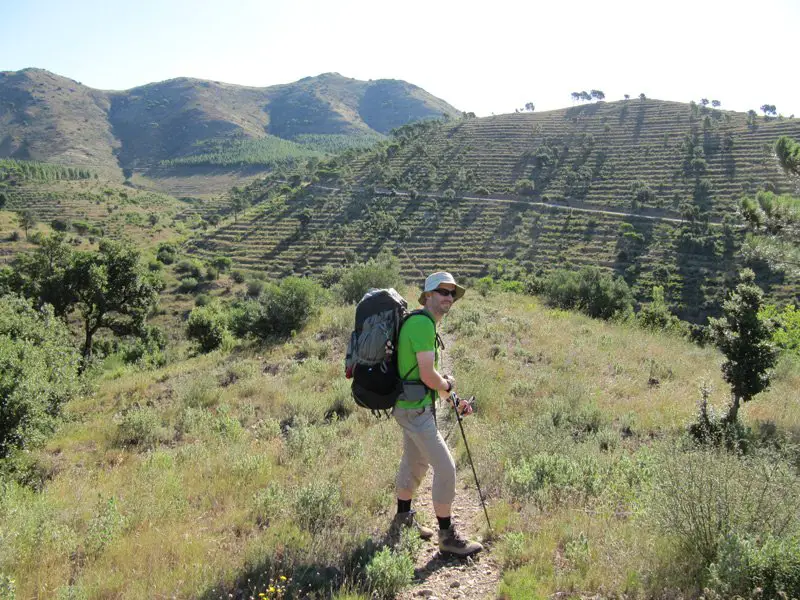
371 359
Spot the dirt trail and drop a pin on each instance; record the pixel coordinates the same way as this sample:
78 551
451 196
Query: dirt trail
444 577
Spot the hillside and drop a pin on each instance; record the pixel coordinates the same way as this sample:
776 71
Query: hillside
47 117
612 186
230 473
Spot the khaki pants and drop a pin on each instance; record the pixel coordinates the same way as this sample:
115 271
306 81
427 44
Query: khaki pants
423 445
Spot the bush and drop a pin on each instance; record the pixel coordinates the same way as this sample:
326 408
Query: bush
167 253
744 564
140 427
188 284
60 224
221 263
389 572
656 316
317 504
381 272
280 310
524 187
705 496
254 288
208 326
191 268
238 276
38 373
590 290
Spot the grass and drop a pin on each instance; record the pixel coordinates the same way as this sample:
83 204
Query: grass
234 471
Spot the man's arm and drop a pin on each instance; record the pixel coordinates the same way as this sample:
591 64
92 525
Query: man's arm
430 376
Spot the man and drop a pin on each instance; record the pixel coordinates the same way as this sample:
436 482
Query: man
423 445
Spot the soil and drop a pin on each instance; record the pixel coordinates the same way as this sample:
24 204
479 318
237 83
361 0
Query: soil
446 577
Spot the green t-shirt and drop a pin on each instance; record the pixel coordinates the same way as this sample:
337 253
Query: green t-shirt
418 334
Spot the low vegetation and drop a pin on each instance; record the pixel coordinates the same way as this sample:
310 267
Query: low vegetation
202 475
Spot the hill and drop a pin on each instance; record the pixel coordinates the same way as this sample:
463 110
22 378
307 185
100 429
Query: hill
649 189
227 474
157 127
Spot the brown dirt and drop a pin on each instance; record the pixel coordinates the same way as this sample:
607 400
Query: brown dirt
446 577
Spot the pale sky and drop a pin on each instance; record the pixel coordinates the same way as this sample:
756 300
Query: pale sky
486 57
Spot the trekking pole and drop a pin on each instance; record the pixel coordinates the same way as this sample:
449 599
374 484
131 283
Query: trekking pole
454 399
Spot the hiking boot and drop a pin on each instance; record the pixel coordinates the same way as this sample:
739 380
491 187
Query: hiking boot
452 542
409 519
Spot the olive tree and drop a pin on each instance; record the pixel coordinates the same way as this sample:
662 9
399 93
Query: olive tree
113 290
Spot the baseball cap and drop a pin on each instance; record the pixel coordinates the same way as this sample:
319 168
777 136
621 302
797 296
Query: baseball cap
434 280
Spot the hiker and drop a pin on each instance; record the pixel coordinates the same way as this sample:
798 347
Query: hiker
423 445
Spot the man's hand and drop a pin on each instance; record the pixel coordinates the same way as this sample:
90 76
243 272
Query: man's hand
445 394
464 407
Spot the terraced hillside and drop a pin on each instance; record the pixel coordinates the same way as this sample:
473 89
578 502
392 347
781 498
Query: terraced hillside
596 155
645 209
90 210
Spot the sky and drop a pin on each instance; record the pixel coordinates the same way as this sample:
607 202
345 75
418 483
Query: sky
484 57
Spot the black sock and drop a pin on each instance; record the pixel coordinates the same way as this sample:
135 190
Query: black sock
444 522
403 506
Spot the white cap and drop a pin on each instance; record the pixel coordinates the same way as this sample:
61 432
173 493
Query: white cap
434 280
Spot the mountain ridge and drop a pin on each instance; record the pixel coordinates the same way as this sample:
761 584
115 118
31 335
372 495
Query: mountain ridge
52 118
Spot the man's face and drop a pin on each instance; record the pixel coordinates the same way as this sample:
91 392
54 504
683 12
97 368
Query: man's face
440 303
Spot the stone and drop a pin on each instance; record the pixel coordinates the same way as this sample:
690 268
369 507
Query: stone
425 593
455 584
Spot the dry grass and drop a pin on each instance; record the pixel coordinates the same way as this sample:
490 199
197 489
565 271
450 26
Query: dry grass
250 473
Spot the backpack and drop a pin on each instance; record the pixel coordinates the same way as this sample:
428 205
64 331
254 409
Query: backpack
371 360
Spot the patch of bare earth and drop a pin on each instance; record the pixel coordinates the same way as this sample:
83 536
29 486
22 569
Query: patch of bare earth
444 576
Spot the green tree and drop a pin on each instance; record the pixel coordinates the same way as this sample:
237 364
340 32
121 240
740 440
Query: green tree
788 153
38 373
43 275
3 200
305 216
529 106
114 290
597 95
27 220
238 202
745 338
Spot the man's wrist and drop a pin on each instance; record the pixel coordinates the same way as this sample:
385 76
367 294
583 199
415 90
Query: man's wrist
449 386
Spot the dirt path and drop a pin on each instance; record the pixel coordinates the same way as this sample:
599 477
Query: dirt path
446 577
443 577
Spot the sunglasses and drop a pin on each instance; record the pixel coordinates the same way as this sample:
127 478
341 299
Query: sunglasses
444 292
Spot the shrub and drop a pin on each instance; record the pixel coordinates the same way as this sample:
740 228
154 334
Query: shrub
208 326
380 272
524 187
188 284
703 496
38 373
192 268
238 276
317 504
389 572
254 288
744 564
221 263
60 224
167 253
280 309
140 427
590 290
656 316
